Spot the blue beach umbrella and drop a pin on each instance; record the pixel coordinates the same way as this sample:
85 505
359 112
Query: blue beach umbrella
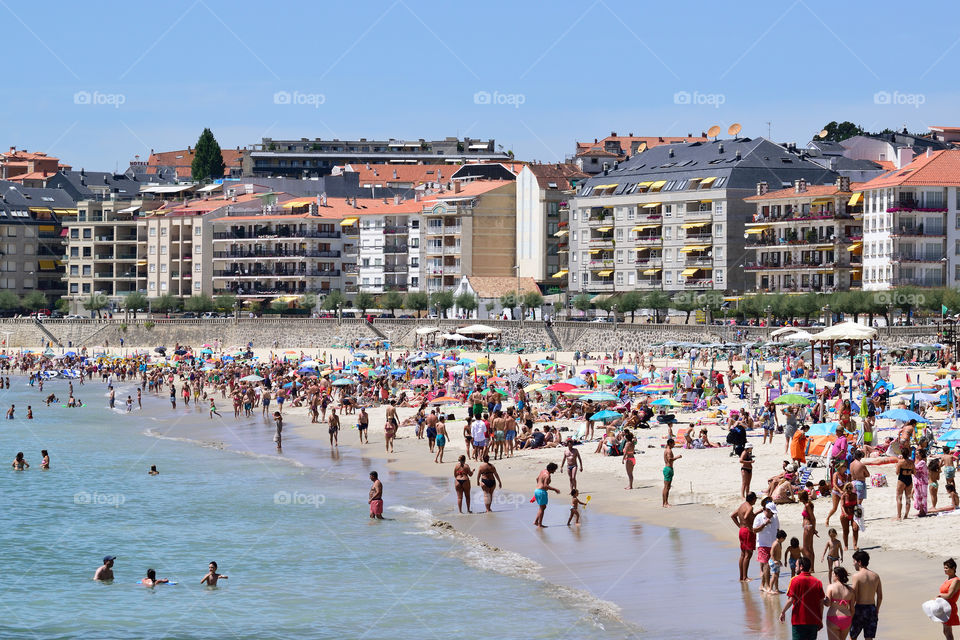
903 415
601 396
343 382
605 415
823 428
626 377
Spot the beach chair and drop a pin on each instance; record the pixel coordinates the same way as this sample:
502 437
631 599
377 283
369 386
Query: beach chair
804 478
817 450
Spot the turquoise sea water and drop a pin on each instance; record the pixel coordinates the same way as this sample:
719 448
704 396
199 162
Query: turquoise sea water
303 558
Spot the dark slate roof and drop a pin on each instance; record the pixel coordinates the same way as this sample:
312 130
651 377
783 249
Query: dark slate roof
760 160
17 196
81 184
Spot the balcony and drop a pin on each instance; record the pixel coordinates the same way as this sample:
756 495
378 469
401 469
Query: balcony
351 252
702 261
776 266
446 230
649 262
920 282
126 256
445 270
649 285
698 212
394 230
599 285
443 251
273 234
647 241
699 238
351 268
290 273
931 256
398 248
258 255
601 242
698 283
919 231
597 221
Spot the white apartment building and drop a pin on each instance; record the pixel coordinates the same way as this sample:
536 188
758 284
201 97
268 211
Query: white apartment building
911 222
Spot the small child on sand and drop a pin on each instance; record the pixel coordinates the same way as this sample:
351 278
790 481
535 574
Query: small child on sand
792 555
776 553
833 551
574 511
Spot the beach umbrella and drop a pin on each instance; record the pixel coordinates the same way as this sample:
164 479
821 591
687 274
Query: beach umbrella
417 382
800 381
576 381
793 398
626 377
160 349
823 429
582 371
601 396
343 382
603 379
251 378
444 400
546 362
665 402
925 397
903 415
311 364
488 389
639 388
741 379
953 435
562 387
605 415
917 388
658 387
578 392
307 370
292 384
496 379
536 386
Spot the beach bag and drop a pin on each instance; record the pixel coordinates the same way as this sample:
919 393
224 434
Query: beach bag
878 480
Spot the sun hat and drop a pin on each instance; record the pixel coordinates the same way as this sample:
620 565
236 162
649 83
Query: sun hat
937 609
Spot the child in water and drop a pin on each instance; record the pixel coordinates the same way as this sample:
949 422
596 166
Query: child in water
574 504
833 550
776 553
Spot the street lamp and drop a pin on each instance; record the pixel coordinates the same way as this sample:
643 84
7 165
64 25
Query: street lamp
827 316
516 268
769 311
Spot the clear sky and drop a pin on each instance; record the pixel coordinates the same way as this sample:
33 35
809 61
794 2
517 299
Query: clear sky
97 83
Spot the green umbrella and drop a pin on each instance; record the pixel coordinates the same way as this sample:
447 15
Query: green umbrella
604 379
500 391
793 398
741 379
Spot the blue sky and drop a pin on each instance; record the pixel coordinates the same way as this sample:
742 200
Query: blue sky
98 83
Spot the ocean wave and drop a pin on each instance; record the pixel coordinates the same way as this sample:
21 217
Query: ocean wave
221 446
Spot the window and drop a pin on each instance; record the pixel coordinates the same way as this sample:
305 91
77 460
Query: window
197 267
366 282
163 268
74 288
153 232
718 276
153 268
153 286
163 250
75 233
667 255
668 277
620 256
631 211
87 270
573 277
75 270
718 208
196 286
718 253
619 277
87 233
415 281
631 278
74 252
198 230
668 233
153 250
198 249
163 286
574 235
163 231
619 234
573 256
718 230
86 288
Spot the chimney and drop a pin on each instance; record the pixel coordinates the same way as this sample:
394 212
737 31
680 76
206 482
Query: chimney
323 198
394 174
762 188
355 202
671 153
905 156
631 134
800 185
843 183
416 197
929 152
613 134
396 199
720 148
738 154
456 187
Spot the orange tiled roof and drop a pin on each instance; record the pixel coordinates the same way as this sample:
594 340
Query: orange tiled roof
407 173
813 191
339 208
36 175
886 165
940 168
182 160
201 206
467 189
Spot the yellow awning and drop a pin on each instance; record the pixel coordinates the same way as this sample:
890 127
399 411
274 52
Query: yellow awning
756 230
707 181
641 227
641 248
689 272
47 228
287 298
656 186
694 247
560 274
561 233
604 273
644 185
821 201
691 225
346 222
855 199
47 265
41 210
300 202
651 205
65 212
594 252
706 201
604 229
856 246
605 186
141 263
651 272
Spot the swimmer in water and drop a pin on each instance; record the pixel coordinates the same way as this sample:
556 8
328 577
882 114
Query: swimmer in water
212 576
29 412
153 470
52 398
151 580
19 463
45 463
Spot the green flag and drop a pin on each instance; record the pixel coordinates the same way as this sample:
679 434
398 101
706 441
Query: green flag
943 309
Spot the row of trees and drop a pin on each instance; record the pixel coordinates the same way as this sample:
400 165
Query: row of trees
419 301
910 301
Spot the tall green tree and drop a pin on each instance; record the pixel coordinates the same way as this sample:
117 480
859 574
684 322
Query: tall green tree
417 301
684 302
532 300
658 301
839 131
95 302
207 158
466 301
165 304
442 301
335 299
199 303
629 303
605 304
9 301
34 301
391 301
582 302
364 301
225 303
134 301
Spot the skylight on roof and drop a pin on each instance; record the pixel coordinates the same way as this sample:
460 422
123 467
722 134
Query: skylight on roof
46 198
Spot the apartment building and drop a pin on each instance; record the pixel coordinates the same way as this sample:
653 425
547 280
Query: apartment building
674 216
543 220
31 247
593 157
805 238
317 157
911 222
28 168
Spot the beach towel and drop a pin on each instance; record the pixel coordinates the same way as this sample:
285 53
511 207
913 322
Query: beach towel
878 480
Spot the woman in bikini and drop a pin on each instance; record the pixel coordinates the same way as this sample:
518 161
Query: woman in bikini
809 526
461 477
839 598
746 470
489 479
904 485
629 460
838 478
848 503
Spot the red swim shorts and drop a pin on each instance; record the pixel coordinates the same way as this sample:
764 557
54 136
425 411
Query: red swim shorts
376 507
763 555
748 539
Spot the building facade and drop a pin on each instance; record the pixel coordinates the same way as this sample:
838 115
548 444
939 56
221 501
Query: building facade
673 217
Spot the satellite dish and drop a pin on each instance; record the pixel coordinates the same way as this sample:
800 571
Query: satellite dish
714 131
823 133
734 129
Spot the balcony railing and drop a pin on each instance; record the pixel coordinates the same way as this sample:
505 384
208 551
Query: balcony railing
644 241
699 238
394 230
931 256
400 248
698 283
766 266
268 234
256 255
919 231
600 285
698 262
290 273
447 230
920 282
649 262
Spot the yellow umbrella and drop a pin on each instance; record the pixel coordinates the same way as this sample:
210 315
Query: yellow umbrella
536 386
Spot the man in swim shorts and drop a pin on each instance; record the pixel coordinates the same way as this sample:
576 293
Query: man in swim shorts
476 400
869 590
541 495
572 459
859 474
743 517
105 572
376 497
668 459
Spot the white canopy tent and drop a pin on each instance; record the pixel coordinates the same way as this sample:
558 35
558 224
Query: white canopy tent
478 329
